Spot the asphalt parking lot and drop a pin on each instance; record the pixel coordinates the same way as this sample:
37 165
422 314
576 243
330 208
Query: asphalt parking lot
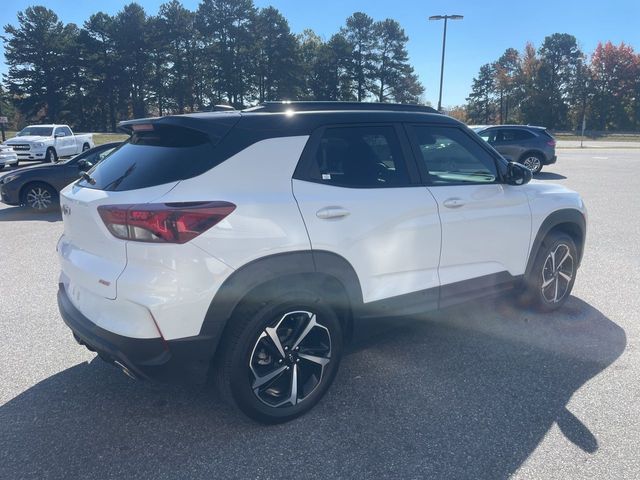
483 390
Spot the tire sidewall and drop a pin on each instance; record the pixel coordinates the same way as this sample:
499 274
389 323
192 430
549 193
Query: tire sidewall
267 314
54 197
537 170
534 284
51 155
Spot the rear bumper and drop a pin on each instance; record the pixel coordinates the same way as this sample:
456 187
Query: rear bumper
175 361
550 160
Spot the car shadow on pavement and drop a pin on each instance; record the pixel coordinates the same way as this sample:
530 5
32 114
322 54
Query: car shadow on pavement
464 393
24 214
549 176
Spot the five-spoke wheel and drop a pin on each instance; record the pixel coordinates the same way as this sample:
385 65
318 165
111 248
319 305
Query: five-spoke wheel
280 355
288 359
557 273
549 283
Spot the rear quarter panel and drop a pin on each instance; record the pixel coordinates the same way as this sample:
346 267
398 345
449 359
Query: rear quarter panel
257 180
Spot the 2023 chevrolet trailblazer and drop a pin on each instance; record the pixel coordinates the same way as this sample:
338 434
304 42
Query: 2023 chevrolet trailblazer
245 243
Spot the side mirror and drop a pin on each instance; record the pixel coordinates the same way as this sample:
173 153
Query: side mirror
518 174
83 165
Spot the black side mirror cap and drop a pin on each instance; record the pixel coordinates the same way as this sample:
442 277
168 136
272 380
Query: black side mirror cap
518 174
83 165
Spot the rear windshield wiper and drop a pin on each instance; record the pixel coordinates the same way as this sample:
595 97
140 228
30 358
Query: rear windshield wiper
88 178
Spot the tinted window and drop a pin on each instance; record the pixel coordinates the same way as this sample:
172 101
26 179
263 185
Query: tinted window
163 155
513 135
360 157
60 131
488 135
67 131
452 157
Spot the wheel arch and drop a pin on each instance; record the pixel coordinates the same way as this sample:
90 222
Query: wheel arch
538 153
569 221
24 188
325 272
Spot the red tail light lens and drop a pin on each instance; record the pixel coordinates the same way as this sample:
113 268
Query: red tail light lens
551 143
163 222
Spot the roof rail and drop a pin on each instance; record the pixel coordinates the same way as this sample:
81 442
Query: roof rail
302 106
221 108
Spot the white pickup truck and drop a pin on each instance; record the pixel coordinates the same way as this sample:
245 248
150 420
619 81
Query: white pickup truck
48 142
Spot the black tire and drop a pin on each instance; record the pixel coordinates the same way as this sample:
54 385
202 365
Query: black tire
533 161
40 197
85 147
557 271
2 166
51 156
247 347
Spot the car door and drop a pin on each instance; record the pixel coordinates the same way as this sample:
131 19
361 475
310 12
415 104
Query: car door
506 142
360 195
486 224
61 141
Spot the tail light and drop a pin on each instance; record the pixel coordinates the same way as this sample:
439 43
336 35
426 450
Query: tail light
163 222
551 143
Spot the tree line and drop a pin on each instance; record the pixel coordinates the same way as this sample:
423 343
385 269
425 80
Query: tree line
133 64
558 86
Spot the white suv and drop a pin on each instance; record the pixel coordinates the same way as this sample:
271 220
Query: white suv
246 243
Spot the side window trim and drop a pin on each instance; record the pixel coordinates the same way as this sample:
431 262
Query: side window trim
308 171
424 173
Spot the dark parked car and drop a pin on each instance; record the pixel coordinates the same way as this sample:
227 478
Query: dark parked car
531 146
38 186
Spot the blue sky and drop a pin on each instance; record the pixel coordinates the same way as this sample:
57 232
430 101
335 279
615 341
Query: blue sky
489 27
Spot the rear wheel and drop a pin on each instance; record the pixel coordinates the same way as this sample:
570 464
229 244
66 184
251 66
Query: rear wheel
51 155
40 197
533 162
280 356
553 273
85 147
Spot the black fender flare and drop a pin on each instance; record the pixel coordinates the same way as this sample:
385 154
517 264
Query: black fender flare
566 216
271 268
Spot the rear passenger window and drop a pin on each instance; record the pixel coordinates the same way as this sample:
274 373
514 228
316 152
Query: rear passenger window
360 157
513 135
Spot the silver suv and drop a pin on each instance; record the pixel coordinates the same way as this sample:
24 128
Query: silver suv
531 146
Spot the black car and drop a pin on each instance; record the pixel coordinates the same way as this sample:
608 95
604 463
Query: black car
38 186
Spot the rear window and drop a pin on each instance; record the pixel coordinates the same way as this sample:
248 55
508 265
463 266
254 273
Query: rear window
163 155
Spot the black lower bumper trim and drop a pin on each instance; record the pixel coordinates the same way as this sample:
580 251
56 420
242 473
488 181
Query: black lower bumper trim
175 361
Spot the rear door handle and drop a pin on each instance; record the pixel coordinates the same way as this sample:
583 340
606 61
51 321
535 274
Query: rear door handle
331 212
453 203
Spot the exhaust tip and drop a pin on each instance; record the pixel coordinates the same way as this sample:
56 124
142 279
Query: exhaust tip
125 370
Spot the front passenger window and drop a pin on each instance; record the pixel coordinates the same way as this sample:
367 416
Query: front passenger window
452 157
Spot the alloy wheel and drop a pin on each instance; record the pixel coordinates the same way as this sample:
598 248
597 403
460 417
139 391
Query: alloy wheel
39 198
289 358
557 273
532 163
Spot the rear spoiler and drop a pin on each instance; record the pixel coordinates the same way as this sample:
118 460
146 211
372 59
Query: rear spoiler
214 124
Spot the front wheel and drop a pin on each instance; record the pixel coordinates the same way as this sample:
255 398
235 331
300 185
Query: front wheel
280 357
51 156
40 197
553 274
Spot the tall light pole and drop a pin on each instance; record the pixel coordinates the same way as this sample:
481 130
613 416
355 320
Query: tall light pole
444 43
